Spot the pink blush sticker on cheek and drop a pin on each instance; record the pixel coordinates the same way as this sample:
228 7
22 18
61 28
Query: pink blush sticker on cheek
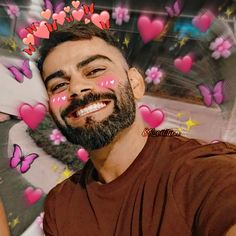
107 82
58 100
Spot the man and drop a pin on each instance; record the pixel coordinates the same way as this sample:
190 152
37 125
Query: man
132 185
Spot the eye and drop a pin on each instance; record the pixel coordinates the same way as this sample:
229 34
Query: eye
59 87
95 71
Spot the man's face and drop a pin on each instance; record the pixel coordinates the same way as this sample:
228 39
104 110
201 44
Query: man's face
90 97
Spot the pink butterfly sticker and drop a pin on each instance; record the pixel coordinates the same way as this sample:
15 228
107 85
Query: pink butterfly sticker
174 10
24 161
217 94
18 73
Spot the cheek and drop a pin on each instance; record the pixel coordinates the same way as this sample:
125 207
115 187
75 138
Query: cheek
107 82
58 100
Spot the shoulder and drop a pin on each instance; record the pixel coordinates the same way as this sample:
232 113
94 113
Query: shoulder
178 143
216 156
205 185
187 151
205 160
64 189
205 168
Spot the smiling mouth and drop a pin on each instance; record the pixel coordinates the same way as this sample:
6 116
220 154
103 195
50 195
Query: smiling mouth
88 109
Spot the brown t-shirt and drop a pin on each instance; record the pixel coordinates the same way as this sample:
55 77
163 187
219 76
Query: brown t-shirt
175 186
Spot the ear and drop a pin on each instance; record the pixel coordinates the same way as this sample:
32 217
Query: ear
137 83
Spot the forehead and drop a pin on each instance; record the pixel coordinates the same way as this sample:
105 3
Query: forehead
69 53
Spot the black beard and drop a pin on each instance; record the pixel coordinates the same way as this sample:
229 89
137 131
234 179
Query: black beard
95 135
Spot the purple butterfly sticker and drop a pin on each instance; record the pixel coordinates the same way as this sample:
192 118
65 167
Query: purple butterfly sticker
174 10
18 73
24 161
55 9
217 94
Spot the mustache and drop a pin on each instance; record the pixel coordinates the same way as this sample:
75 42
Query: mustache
87 99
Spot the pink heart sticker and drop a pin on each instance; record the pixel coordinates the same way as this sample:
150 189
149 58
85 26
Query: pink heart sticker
203 22
60 17
75 4
22 33
107 82
103 17
42 31
67 9
46 14
29 39
78 15
82 154
184 64
58 100
32 195
86 21
154 118
149 29
32 116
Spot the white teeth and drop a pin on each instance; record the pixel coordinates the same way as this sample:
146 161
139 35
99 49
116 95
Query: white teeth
90 108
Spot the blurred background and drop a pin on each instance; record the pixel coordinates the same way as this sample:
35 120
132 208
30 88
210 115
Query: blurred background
174 92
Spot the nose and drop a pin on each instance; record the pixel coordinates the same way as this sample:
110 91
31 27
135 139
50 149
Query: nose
79 86
76 94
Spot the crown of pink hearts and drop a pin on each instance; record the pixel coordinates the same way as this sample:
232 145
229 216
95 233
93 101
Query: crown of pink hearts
76 12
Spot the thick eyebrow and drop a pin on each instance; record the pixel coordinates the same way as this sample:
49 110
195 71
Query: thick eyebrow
91 59
81 64
56 74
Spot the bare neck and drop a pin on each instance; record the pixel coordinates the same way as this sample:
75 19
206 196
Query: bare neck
112 160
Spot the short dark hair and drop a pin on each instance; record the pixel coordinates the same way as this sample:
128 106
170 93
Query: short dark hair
73 32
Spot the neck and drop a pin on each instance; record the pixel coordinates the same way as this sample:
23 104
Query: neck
112 160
